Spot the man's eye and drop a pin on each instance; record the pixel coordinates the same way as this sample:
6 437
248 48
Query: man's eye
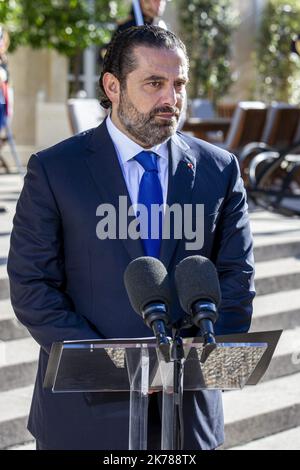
155 84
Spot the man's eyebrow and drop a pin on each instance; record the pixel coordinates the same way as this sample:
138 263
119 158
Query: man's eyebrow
161 78
154 77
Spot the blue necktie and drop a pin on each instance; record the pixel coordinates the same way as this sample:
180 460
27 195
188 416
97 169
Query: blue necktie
150 192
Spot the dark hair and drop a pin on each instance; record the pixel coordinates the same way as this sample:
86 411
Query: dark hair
119 58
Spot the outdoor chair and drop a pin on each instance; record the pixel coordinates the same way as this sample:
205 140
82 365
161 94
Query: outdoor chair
247 125
226 110
84 114
280 131
274 180
201 108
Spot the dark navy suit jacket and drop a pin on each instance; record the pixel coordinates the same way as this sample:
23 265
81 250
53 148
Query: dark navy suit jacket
66 284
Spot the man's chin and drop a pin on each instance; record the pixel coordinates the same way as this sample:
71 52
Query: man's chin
163 136
169 130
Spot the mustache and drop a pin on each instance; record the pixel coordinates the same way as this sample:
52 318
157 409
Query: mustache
165 109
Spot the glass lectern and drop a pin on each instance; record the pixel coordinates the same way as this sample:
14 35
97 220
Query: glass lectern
136 365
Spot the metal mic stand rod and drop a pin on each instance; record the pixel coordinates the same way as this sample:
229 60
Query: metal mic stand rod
177 356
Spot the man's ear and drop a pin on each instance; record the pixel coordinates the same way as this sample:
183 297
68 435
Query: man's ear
111 86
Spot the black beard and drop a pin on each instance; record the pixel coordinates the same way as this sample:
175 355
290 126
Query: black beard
146 128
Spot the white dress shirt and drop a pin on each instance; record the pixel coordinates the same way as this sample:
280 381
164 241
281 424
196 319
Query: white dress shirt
126 149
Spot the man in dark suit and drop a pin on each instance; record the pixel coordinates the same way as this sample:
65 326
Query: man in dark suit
148 12
151 12
67 284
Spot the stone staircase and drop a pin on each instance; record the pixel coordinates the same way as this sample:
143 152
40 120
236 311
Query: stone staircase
18 352
268 416
263 417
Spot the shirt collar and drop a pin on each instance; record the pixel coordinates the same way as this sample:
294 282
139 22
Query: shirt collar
127 148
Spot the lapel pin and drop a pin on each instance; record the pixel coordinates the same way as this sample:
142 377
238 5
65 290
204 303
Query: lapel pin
190 165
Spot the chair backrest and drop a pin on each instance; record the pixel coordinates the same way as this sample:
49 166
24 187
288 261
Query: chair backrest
247 124
84 113
201 108
226 110
281 125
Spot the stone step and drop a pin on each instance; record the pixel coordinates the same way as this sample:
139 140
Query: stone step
6 310
277 275
9 195
286 359
5 223
29 446
14 410
14 184
287 440
257 412
4 246
280 310
11 352
4 284
266 224
17 375
275 236
10 327
261 215
18 363
276 248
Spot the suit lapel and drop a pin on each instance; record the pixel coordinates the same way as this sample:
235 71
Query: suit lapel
107 175
103 164
182 168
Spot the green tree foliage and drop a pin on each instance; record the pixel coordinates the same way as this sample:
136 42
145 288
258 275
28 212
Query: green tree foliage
277 67
6 7
67 26
206 28
9 10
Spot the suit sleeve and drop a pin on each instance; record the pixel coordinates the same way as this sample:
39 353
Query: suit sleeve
36 266
234 259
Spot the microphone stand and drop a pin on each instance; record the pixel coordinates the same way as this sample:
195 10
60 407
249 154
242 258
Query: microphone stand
206 317
177 356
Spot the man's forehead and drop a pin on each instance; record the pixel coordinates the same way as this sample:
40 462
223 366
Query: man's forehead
155 59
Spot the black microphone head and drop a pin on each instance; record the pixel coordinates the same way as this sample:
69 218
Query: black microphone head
146 280
196 279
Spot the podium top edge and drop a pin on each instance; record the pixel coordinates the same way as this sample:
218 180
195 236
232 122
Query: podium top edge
234 339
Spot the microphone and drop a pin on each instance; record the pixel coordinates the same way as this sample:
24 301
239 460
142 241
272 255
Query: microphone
147 284
199 295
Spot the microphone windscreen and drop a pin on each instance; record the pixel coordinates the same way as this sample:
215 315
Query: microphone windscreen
146 280
196 279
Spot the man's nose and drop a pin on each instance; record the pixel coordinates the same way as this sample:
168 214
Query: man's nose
170 96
